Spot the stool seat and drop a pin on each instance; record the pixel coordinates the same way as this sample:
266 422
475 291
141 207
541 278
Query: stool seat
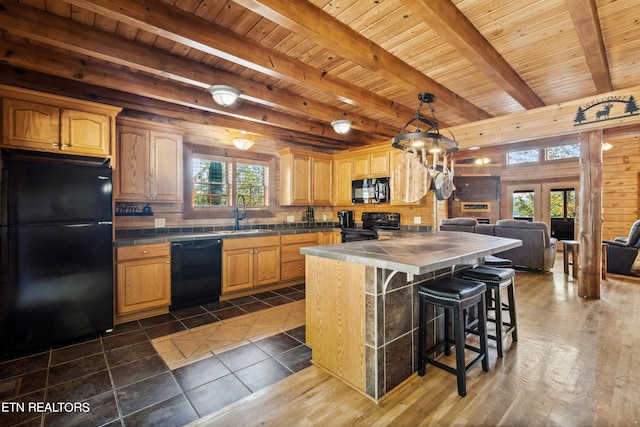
455 295
494 261
452 290
497 279
488 274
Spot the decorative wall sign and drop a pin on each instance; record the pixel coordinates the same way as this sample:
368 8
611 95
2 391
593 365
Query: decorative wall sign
608 108
131 209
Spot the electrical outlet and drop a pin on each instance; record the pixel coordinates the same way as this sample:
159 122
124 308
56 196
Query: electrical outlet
291 218
324 217
417 220
159 222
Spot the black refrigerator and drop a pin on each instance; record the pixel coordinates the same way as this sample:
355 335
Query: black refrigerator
56 249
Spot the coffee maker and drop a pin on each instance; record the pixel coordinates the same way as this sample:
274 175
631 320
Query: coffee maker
345 219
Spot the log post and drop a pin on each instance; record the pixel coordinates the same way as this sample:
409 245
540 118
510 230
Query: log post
590 215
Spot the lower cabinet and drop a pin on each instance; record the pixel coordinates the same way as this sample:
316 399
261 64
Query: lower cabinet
248 262
143 281
292 260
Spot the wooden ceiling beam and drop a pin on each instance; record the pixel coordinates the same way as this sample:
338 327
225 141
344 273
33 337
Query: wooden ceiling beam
47 62
56 31
162 19
308 20
446 19
585 19
151 109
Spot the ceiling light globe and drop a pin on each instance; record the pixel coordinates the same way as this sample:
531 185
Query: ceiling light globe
341 126
224 95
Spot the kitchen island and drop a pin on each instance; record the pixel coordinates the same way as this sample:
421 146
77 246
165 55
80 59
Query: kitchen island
362 305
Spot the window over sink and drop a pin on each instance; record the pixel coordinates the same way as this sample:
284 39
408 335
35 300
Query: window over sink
215 179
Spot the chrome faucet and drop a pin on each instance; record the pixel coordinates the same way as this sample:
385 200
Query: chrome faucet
237 215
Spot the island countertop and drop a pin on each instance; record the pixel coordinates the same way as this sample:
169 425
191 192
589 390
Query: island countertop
416 252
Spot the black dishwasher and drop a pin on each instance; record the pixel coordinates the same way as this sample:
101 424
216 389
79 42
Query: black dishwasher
196 272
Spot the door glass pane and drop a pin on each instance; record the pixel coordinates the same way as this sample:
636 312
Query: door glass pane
523 205
562 212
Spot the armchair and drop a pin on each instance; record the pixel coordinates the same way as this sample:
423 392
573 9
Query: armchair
623 251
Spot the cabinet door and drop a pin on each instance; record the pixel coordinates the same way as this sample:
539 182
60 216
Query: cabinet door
321 180
143 284
133 165
166 167
30 125
300 180
361 166
379 163
343 175
237 270
266 265
85 133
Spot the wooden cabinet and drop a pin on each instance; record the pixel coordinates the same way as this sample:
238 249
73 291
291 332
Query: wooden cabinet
371 164
248 262
292 260
143 281
342 177
329 237
150 162
305 178
42 122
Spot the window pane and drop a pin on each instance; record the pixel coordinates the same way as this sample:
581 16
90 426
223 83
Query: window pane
525 156
209 183
251 182
563 203
523 205
569 151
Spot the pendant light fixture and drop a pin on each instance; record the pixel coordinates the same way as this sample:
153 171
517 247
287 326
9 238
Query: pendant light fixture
243 143
224 95
341 126
430 137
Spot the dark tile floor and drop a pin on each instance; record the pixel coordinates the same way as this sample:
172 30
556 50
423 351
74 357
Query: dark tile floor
118 379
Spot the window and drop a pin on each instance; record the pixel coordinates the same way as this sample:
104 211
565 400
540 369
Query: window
215 182
524 156
523 205
559 152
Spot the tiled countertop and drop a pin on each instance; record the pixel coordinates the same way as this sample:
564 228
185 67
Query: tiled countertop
416 252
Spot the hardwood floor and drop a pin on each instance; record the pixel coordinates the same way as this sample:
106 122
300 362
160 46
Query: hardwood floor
575 364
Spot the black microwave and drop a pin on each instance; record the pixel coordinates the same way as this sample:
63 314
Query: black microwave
374 190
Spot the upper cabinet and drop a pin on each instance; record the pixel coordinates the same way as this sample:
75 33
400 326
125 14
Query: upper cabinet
150 162
371 164
43 122
305 178
342 177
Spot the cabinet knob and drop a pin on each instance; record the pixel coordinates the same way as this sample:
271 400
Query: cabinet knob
66 145
55 144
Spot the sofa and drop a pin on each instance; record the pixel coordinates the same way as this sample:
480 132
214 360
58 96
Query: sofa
538 250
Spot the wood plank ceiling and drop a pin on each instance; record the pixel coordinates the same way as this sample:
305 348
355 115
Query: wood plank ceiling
302 64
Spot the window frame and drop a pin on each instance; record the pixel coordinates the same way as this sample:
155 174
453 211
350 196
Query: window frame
228 155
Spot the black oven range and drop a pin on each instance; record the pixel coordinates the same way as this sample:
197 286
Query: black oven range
371 223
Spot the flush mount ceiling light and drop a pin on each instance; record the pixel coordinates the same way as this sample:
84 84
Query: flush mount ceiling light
243 143
341 126
224 95
430 137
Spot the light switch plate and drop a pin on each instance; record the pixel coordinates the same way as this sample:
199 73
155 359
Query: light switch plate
417 220
159 222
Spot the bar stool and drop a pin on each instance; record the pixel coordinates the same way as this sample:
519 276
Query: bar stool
455 296
497 279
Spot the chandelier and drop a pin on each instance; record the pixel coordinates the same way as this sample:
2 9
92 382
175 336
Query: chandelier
243 143
430 138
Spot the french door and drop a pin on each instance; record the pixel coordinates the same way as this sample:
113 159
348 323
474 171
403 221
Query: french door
554 203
